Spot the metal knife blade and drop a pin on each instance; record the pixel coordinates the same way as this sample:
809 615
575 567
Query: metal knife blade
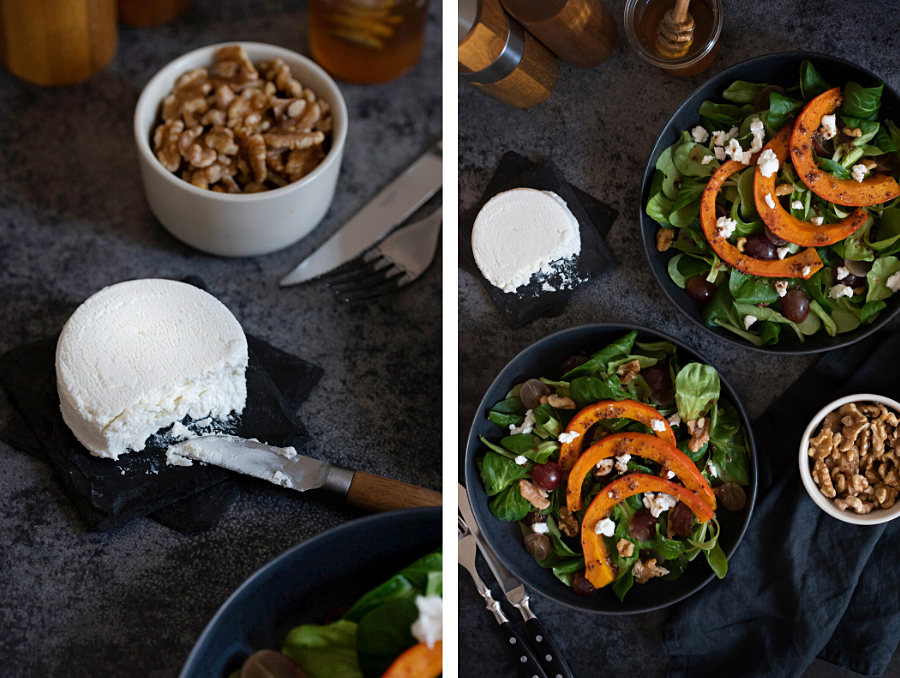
403 196
512 588
282 466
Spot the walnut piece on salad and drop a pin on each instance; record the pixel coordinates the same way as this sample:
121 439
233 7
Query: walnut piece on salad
240 128
855 457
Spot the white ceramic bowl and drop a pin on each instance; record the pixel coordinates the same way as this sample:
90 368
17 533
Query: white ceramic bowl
236 225
876 515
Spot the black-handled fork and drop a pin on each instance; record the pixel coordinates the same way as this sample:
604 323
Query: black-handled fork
523 657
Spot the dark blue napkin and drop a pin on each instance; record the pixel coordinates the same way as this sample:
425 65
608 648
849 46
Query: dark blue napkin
802 584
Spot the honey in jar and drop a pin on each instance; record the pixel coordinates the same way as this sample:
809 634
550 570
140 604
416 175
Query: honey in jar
367 41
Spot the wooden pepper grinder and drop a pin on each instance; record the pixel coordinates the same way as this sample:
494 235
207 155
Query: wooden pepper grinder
501 58
57 42
580 32
676 31
151 12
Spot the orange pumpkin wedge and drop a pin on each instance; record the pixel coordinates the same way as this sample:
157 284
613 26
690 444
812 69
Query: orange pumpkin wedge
781 222
419 661
598 564
872 190
801 265
640 445
611 409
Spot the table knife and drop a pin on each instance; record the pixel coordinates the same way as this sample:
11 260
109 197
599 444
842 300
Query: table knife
387 210
545 649
283 466
522 655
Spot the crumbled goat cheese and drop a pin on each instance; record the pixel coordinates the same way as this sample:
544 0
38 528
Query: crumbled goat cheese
770 201
670 474
858 173
725 226
817 221
699 134
719 138
567 437
606 527
658 425
674 420
734 150
796 205
720 153
783 252
604 466
839 291
748 321
768 163
828 128
622 463
842 272
521 460
893 283
429 627
781 287
527 425
706 159
711 470
806 271
547 287
759 134
658 502
540 528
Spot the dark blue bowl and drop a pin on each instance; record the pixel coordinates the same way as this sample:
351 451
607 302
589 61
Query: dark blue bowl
307 583
544 359
776 69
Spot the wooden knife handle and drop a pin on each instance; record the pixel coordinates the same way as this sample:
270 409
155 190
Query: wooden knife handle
374 493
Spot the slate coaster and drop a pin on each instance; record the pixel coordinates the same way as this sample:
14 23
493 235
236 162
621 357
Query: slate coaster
110 493
594 217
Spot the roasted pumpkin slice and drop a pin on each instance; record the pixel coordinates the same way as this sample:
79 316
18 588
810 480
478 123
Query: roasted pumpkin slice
598 564
419 661
611 409
781 222
872 190
801 265
640 445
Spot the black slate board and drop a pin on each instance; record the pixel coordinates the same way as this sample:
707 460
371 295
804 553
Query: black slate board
109 493
594 217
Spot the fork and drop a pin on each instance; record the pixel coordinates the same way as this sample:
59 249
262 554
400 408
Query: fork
394 263
523 657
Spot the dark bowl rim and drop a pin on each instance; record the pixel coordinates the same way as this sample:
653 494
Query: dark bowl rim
378 518
471 476
650 246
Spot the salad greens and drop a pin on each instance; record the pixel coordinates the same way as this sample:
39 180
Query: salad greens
367 639
851 288
681 393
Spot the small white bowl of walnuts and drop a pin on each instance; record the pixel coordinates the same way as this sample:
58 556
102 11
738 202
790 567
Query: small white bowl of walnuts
240 147
850 459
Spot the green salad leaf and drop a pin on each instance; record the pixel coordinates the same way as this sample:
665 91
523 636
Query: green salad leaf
742 92
781 108
327 651
509 505
811 83
498 473
861 102
696 390
383 635
878 275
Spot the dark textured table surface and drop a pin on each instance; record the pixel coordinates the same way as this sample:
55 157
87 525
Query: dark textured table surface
73 219
599 127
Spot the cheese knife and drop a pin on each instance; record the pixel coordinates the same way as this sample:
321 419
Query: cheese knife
387 210
544 648
283 466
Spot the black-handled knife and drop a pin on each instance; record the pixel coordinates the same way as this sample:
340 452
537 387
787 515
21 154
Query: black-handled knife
544 648
524 659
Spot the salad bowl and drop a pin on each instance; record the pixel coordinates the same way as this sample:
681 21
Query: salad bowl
543 359
777 69
308 583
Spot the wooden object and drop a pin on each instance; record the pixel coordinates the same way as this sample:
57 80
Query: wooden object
374 493
151 12
580 32
57 42
531 80
676 31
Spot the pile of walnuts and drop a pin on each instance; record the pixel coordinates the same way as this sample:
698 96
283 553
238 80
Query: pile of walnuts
240 128
857 457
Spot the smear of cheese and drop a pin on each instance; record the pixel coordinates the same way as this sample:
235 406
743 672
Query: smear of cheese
522 232
141 355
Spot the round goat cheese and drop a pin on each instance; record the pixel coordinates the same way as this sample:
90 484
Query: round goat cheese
522 232
140 355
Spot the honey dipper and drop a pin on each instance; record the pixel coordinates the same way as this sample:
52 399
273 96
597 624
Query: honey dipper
676 31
